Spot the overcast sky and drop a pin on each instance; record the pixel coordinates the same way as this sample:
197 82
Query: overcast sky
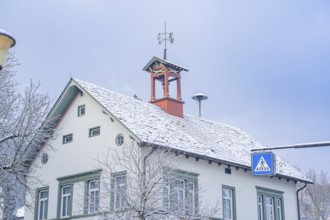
265 65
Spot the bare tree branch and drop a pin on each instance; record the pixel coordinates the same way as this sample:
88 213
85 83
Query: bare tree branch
148 169
22 131
315 198
7 138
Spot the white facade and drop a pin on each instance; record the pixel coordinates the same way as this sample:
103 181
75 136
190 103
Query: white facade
78 160
78 156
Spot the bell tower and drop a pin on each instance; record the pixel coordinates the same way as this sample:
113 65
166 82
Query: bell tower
166 72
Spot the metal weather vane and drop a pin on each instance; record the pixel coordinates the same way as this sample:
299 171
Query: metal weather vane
164 37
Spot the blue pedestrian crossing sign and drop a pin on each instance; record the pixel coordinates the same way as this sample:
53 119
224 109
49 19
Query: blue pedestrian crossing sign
263 164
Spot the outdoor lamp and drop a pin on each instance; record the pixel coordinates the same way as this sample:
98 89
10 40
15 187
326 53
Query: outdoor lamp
6 42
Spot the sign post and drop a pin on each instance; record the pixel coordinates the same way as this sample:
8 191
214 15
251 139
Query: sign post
263 164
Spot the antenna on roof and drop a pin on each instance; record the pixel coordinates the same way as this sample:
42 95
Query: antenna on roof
166 36
199 97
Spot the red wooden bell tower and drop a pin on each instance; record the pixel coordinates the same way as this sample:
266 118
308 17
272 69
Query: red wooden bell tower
166 73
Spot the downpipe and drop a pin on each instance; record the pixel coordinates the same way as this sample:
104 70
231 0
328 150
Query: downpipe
298 205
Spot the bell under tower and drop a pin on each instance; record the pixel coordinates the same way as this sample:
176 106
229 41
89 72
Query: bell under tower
166 72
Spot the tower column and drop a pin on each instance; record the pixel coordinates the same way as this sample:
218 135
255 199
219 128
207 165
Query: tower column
153 91
178 88
166 91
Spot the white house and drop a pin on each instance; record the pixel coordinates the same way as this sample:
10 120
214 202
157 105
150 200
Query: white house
214 156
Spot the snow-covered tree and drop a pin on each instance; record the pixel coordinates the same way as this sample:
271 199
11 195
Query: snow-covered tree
144 185
22 131
315 198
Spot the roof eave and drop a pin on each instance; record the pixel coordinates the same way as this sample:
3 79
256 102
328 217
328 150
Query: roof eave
146 68
54 116
225 162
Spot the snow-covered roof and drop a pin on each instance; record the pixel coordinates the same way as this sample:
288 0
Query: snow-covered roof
191 135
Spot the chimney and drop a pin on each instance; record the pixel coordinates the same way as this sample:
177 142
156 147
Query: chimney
166 72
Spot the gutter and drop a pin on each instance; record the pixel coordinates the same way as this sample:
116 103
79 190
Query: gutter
298 199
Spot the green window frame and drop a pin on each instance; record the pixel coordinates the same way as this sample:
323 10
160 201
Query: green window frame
67 138
118 189
270 204
81 110
180 192
92 196
94 131
41 203
70 181
119 139
228 202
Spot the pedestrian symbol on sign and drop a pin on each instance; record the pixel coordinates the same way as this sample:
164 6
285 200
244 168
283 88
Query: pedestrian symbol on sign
263 163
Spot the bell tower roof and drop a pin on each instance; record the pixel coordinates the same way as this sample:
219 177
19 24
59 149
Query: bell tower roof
156 61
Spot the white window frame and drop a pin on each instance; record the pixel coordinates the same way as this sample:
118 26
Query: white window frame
42 204
119 187
81 110
270 208
279 206
270 204
260 207
191 197
228 200
94 131
66 199
93 196
178 195
67 138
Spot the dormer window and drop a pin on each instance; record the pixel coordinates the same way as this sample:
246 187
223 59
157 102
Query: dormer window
94 131
81 110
